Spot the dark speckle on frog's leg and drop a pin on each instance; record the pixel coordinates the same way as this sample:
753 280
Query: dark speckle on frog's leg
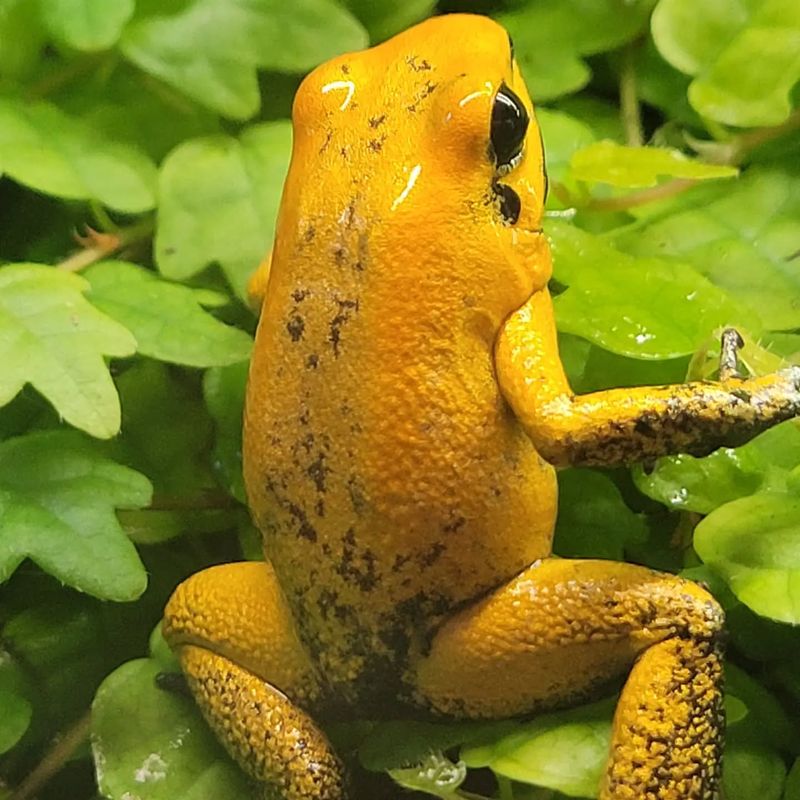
312 362
376 122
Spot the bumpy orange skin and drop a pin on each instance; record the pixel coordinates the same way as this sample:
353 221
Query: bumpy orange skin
406 403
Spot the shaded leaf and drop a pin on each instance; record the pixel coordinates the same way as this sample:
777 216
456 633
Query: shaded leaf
15 708
22 38
57 501
45 149
166 318
210 49
752 773
384 18
52 338
224 392
219 200
593 520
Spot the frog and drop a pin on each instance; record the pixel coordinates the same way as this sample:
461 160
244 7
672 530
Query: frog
406 415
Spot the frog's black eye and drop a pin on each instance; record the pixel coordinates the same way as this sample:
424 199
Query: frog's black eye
509 126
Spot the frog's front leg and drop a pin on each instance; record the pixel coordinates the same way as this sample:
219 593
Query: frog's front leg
561 630
621 426
232 629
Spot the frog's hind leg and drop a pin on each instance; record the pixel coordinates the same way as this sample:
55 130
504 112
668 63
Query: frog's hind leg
252 679
560 631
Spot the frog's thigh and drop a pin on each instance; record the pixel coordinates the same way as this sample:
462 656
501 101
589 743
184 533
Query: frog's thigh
563 628
233 632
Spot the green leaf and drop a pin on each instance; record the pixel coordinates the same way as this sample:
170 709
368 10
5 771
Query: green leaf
219 200
224 392
551 36
86 24
210 49
792 789
743 236
754 543
57 501
48 151
566 751
396 743
22 38
743 54
52 338
750 772
665 310
127 106
166 318
384 18
166 430
767 722
701 484
593 520
620 165
15 709
437 775
686 483
169 752
562 135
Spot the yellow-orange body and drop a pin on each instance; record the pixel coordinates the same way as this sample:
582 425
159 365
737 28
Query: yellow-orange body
405 407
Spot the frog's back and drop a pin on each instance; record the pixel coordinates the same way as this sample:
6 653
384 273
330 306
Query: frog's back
390 479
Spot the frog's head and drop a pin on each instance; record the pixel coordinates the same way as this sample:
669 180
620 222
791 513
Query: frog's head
428 143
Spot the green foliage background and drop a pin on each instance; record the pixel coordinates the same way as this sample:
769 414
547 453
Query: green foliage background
157 131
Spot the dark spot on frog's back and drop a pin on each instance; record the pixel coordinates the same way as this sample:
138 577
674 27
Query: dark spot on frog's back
376 122
305 530
376 145
298 295
295 327
346 310
317 471
312 362
418 64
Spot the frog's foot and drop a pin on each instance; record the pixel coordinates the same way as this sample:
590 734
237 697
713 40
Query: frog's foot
562 630
251 677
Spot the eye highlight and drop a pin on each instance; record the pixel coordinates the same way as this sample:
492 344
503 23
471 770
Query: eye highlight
508 128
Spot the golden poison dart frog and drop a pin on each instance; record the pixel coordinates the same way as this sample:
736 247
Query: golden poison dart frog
405 414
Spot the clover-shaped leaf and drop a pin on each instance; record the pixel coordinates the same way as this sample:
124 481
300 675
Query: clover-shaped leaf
57 501
744 55
210 49
219 200
52 338
167 319
51 152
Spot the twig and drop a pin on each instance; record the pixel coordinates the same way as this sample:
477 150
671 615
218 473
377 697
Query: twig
97 245
640 198
54 759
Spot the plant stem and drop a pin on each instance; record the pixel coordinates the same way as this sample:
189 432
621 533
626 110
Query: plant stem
97 245
640 198
629 100
746 142
58 755
505 787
